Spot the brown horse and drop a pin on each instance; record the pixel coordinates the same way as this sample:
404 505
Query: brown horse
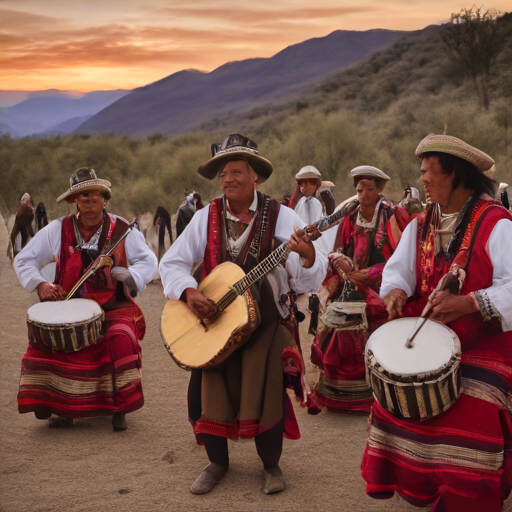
22 225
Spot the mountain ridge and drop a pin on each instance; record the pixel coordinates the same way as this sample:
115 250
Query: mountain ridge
182 101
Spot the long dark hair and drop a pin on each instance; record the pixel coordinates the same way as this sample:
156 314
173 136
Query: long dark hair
466 173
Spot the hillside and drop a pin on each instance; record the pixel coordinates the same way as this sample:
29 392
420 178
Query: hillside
375 113
184 100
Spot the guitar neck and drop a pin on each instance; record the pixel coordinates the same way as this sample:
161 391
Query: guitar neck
332 220
262 269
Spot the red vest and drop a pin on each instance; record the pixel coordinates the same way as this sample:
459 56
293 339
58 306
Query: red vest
479 270
73 263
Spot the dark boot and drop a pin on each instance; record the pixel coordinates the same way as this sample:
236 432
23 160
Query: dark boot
314 309
42 413
119 421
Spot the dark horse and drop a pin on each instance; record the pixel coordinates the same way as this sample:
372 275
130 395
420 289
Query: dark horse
41 218
164 219
186 211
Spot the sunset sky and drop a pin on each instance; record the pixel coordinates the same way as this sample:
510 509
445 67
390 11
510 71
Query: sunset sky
109 44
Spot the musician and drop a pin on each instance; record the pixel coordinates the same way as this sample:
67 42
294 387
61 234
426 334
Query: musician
243 396
359 248
104 378
461 459
308 181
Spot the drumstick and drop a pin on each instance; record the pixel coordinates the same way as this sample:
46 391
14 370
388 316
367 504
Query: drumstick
452 281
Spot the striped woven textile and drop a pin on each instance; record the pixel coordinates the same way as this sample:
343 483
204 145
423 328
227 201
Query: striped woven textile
99 380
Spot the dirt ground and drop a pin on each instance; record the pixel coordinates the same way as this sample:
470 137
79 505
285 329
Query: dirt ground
150 466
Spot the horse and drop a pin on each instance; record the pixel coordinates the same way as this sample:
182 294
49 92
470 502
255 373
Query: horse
162 219
186 211
22 226
41 218
411 201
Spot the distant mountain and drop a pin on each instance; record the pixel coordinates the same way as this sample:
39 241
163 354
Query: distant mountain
65 127
10 98
39 113
184 100
4 128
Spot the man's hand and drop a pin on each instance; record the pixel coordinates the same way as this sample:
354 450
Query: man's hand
448 307
359 277
341 263
199 304
305 250
124 276
50 292
395 301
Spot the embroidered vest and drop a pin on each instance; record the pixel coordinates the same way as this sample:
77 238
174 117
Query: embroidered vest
259 242
73 263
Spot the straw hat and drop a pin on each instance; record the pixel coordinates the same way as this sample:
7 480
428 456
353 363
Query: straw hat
456 147
236 147
84 179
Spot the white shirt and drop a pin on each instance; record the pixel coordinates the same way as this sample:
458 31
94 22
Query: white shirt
309 209
177 264
400 270
45 248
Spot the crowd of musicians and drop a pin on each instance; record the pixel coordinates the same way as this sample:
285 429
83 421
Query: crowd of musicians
378 256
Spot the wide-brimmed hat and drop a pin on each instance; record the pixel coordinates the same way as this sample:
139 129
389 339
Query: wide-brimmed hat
456 147
370 172
236 147
81 180
307 173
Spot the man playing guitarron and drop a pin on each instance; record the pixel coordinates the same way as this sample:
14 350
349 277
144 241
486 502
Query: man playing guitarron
243 396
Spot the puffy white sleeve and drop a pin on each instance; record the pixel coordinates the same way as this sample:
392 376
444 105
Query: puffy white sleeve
142 262
302 280
178 262
499 247
400 271
42 249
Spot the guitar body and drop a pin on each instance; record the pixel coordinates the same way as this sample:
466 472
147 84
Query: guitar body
187 341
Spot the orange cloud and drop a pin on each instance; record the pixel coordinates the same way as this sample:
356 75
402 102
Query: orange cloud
129 43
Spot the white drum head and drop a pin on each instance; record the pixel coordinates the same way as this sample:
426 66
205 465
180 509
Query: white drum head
433 347
64 312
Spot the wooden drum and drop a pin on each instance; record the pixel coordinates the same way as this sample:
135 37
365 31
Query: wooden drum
419 382
65 326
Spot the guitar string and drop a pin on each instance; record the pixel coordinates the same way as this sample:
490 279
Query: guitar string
254 275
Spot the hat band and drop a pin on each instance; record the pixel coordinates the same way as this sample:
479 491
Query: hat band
236 148
88 184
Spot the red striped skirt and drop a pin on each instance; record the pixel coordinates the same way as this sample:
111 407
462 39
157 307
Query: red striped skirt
342 384
98 380
463 456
